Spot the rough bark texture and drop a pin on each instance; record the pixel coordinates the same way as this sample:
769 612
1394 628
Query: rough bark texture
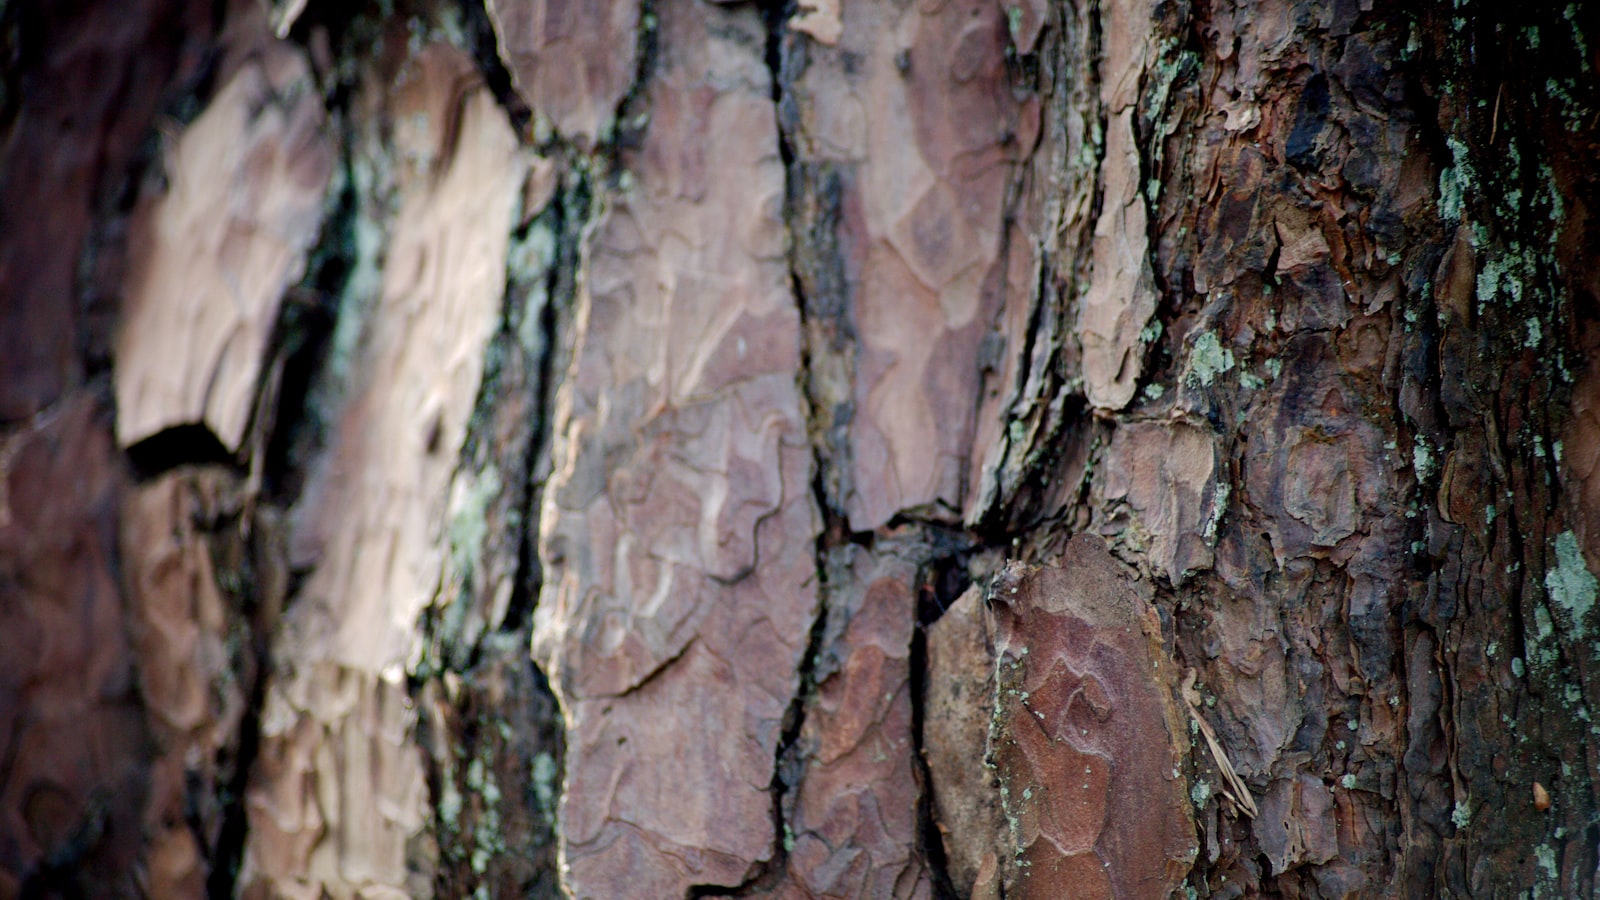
845 448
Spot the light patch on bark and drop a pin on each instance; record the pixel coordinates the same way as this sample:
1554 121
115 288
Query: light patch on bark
340 791
214 254
820 19
1121 295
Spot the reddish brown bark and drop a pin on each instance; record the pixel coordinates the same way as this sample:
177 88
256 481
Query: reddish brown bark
830 449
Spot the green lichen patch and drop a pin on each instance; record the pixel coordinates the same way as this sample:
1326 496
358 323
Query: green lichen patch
1453 182
1208 358
1569 583
468 529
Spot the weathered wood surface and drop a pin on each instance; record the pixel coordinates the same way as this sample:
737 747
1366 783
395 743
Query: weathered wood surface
529 446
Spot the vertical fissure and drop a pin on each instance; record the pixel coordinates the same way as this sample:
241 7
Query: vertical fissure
484 44
284 428
786 762
516 743
940 583
228 854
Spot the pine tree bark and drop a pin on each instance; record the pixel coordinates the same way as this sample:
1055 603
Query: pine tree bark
663 448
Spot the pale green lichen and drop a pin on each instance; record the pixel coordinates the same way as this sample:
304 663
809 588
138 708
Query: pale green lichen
487 841
1219 508
1453 182
1542 655
468 529
1461 816
1558 206
1208 358
1200 793
544 782
1014 23
1571 15
365 241
449 807
1547 859
1348 782
1517 668
1421 458
1570 584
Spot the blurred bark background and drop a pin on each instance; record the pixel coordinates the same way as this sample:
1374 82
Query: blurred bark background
861 448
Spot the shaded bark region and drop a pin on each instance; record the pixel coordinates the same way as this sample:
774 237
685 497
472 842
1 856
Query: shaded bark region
181 605
492 728
1309 469
82 86
1516 348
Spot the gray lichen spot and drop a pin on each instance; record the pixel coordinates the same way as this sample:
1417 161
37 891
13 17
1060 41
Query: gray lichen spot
1570 584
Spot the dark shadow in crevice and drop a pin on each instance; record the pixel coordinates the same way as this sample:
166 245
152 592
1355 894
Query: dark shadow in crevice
178 446
484 45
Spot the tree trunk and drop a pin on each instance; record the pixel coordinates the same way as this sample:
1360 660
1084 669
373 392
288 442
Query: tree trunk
658 448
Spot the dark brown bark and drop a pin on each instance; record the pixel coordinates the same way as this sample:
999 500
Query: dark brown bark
831 449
